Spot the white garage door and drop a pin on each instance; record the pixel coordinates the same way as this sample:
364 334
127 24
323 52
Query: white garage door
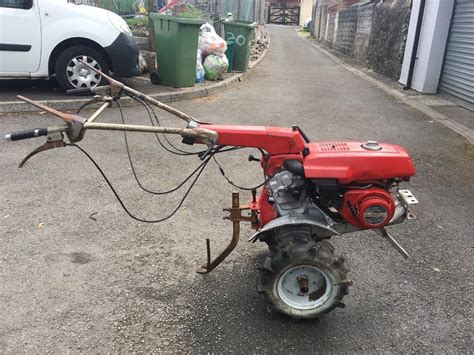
457 77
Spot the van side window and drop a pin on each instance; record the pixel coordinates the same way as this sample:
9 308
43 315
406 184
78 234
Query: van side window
17 4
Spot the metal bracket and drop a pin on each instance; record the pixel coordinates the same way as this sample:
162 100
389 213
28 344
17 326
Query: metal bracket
236 217
407 197
410 214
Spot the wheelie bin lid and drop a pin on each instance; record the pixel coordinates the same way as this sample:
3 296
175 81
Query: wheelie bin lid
183 20
242 23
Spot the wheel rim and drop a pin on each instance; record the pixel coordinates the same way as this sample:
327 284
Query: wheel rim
81 76
304 287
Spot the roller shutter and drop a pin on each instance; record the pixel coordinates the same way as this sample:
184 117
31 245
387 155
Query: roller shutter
457 77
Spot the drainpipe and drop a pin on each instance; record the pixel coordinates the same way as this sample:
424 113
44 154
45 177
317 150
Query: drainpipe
320 18
416 41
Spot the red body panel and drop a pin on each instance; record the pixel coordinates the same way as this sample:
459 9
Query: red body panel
266 212
348 162
274 140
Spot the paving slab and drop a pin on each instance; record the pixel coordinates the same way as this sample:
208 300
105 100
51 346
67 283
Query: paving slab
435 106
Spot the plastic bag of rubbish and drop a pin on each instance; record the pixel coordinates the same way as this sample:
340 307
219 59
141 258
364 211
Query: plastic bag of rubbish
199 68
206 28
215 67
212 43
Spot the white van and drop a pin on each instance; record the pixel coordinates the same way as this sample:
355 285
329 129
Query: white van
42 38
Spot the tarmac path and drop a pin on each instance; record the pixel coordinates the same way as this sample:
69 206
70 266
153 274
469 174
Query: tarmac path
77 274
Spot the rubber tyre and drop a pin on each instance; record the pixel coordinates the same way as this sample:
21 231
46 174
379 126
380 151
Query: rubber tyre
155 78
75 51
295 247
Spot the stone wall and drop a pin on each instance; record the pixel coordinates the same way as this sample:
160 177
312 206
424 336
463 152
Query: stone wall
388 37
373 32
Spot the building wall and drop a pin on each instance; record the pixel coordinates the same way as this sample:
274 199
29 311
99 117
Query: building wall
306 7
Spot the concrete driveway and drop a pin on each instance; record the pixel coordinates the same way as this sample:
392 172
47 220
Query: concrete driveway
77 274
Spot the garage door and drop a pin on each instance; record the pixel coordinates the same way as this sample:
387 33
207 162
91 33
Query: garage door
457 77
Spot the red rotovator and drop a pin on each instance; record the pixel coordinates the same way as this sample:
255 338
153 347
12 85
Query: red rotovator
312 191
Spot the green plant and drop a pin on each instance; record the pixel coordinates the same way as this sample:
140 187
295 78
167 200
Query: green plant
190 12
304 29
137 21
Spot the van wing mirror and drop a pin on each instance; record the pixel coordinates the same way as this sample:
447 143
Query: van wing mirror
27 4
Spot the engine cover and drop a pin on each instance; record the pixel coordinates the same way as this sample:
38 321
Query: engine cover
368 208
356 161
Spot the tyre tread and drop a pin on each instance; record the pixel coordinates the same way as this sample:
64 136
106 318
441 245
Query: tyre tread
293 244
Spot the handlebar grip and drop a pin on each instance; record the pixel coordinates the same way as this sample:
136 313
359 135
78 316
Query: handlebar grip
29 133
81 91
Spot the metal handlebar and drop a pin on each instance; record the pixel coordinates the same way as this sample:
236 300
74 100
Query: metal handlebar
26 134
33 133
75 126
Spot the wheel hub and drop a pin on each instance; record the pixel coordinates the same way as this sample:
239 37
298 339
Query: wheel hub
84 73
79 75
304 287
303 283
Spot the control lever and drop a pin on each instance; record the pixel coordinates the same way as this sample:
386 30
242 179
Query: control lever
253 158
55 140
203 155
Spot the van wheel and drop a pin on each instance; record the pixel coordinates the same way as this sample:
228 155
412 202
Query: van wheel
72 74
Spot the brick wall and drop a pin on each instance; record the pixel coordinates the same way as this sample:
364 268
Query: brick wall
324 18
346 31
362 35
331 22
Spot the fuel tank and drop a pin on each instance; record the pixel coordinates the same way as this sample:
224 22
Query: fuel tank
357 161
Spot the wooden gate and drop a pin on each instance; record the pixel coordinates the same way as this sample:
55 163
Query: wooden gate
284 14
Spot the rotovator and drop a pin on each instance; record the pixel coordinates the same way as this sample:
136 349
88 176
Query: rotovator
312 191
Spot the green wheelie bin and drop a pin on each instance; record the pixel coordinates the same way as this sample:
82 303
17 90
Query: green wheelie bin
229 53
241 32
176 43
